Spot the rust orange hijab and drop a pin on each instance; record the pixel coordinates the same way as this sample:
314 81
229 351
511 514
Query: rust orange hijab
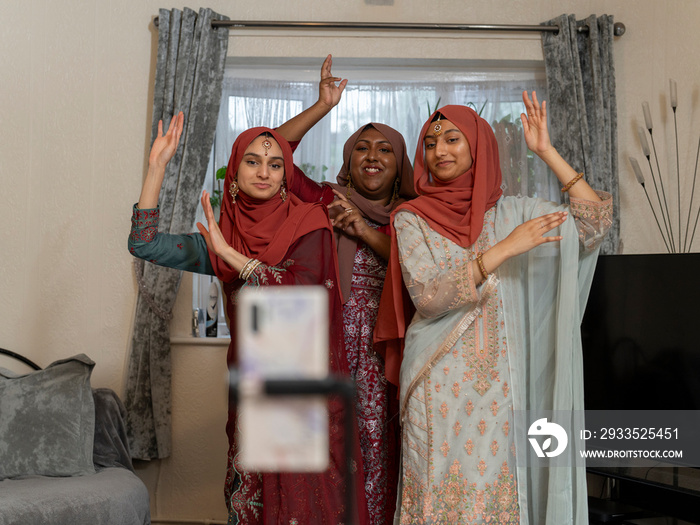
263 229
455 209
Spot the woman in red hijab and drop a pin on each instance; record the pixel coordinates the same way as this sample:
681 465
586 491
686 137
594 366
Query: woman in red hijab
265 237
486 325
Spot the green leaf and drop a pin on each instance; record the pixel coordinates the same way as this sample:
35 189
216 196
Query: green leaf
221 173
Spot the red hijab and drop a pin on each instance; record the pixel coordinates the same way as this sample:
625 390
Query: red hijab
454 209
263 229
347 246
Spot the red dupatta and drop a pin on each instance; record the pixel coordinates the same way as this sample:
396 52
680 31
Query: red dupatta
455 209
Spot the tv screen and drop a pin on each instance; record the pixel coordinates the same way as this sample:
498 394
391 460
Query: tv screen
641 333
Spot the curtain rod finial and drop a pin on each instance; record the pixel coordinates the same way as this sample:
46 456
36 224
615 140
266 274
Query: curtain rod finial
619 29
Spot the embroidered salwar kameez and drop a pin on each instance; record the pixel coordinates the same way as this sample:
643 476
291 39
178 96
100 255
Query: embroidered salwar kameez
463 371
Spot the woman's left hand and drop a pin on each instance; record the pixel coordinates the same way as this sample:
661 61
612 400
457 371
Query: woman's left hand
348 218
328 92
213 237
535 125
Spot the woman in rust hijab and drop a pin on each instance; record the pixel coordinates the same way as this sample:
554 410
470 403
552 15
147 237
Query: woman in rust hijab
487 325
266 236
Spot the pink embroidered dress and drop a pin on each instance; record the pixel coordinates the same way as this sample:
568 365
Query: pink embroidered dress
377 412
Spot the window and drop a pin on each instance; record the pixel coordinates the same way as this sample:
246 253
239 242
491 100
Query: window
400 93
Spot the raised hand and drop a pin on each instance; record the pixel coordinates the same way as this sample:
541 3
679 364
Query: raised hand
328 92
535 125
165 145
213 237
530 234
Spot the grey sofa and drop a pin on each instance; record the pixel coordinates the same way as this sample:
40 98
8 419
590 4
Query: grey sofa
64 457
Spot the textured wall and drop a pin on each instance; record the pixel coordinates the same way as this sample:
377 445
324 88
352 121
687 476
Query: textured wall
74 113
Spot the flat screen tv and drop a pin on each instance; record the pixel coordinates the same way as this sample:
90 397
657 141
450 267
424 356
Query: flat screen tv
641 333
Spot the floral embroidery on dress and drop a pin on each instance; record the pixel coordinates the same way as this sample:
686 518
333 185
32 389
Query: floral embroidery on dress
469 407
502 499
482 426
456 389
469 447
263 274
494 407
329 284
494 447
445 448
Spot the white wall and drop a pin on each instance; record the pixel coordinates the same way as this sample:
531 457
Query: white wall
75 107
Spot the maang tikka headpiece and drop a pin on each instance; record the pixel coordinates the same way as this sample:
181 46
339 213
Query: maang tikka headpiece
267 145
437 128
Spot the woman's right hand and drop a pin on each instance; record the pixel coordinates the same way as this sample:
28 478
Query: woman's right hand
165 145
531 234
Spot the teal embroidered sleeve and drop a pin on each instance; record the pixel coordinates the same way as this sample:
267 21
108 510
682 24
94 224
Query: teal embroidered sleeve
182 252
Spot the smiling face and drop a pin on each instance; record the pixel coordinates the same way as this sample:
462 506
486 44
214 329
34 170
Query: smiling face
373 166
261 171
448 154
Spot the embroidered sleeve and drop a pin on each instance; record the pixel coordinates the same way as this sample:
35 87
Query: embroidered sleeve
593 219
309 261
437 279
182 252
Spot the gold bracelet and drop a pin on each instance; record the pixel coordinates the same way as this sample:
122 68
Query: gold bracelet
248 268
572 182
482 268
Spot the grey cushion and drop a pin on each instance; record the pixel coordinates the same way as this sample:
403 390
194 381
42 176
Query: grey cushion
47 420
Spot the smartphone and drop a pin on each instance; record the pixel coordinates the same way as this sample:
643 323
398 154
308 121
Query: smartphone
282 334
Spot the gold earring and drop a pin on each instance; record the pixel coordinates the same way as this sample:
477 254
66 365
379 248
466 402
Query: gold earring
283 190
350 186
233 190
395 195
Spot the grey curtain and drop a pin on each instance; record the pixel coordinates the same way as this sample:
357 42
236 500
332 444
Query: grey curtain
189 76
582 106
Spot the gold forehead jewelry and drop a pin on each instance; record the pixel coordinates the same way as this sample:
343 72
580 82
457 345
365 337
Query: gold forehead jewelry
437 128
267 145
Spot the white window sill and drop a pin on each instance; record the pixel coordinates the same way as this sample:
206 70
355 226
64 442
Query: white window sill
200 341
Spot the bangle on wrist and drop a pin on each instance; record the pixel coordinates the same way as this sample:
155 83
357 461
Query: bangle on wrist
572 182
248 268
482 268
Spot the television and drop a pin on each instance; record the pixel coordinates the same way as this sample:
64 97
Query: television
641 351
641 333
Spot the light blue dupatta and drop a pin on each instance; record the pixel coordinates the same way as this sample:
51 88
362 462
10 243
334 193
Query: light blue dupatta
544 292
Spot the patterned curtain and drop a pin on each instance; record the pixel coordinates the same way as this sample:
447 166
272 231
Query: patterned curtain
189 75
582 106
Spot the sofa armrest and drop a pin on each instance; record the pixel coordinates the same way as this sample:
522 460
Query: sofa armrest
111 447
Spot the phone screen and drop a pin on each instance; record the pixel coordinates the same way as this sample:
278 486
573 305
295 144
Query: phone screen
282 334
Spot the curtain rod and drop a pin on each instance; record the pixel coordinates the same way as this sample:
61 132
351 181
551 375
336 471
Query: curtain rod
618 28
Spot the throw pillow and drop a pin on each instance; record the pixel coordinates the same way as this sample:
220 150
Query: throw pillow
47 420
